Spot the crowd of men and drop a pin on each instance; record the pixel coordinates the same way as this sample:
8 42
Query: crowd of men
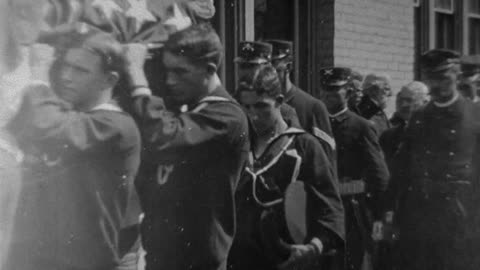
264 176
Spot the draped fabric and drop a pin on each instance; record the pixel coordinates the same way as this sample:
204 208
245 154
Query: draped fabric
145 21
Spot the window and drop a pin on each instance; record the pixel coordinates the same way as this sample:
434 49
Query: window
444 24
445 6
274 19
447 24
474 6
473 21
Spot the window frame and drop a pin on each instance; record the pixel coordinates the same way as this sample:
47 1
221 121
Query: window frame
467 16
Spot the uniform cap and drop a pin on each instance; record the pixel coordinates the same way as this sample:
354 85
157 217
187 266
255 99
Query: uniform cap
335 76
439 60
254 52
280 48
470 64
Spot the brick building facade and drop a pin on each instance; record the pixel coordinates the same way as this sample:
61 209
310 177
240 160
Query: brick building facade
375 36
368 35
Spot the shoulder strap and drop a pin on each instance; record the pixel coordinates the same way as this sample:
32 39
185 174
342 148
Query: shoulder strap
276 149
208 100
323 136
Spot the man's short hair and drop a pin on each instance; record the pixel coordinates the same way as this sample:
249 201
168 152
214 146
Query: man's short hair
199 43
419 89
374 79
264 81
98 42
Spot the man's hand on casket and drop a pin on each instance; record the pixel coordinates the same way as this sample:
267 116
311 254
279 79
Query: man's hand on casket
134 56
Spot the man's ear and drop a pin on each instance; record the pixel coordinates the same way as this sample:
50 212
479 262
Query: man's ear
289 66
211 68
279 99
112 78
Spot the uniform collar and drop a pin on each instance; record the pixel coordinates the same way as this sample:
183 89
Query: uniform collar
275 148
341 116
448 103
217 95
291 93
335 115
107 106
455 108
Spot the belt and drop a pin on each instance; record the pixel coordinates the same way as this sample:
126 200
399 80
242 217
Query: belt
352 187
430 187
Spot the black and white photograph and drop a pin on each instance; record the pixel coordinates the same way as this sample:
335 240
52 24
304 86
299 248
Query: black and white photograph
239 135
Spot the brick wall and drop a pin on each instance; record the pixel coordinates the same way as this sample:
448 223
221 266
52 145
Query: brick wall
376 36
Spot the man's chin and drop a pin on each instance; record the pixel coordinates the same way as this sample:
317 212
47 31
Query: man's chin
442 96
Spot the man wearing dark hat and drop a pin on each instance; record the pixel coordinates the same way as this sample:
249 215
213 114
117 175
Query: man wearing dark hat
361 167
251 56
283 157
193 159
376 90
434 167
311 112
470 77
82 153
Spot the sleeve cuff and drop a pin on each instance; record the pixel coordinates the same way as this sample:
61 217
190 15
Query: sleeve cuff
40 82
141 91
317 243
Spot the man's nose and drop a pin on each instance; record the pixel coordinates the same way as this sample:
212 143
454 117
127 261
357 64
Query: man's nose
388 92
170 78
405 104
251 113
66 74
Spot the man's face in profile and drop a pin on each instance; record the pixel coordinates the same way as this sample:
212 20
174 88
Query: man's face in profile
186 82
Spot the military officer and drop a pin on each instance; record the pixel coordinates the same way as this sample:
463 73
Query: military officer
283 156
361 166
376 90
251 56
311 112
434 167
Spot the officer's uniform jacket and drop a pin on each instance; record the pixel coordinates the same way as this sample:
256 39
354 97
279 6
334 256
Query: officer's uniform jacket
361 169
359 154
191 167
292 156
432 174
434 164
77 192
313 116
